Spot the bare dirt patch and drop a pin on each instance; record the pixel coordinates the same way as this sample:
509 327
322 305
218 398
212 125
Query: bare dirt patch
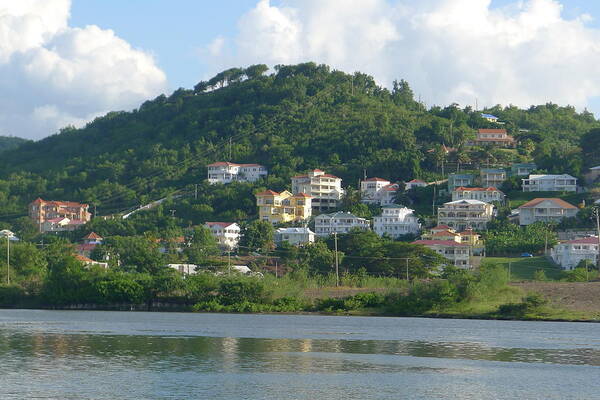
575 296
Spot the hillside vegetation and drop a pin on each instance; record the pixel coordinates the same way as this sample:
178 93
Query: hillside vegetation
299 117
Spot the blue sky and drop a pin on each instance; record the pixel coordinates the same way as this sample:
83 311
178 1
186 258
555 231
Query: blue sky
174 31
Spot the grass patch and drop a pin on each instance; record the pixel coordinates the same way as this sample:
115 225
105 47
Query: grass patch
523 268
517 199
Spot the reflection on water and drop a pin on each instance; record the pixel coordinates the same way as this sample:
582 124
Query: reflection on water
40 360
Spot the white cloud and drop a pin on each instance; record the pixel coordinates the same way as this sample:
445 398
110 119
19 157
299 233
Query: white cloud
52 75
449 50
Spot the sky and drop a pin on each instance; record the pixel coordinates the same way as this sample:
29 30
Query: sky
66 62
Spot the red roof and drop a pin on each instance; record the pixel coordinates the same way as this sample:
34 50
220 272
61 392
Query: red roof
221 224
84 258
492 131
392 187
446 227
376 180
444 233
439 242
267 193
476 189
92 235
329 176
317 170
586 240
416 181
302 195
60 203
558 202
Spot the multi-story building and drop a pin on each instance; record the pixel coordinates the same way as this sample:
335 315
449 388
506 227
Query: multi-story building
378 191
550 183
545 210
325 189
227 234
459 254
58 215
463 214
338 222
468 237
294 236
493 177
570 253
487 194
226 172
283 207
522 169
396 221
415 183
494 137
458 180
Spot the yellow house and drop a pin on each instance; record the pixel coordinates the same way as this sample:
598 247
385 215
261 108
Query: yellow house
283 207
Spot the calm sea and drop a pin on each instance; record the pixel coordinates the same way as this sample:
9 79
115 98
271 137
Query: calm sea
131 355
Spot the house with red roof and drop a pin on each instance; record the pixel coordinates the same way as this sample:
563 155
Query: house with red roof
227 234
378 191
415 183
325 189
545 210
488 194
457 253
227 172
570 253
53 216
90 241
494 137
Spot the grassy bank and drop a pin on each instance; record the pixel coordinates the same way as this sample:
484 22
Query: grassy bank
524 268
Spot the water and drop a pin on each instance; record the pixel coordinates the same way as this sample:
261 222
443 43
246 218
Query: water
111 355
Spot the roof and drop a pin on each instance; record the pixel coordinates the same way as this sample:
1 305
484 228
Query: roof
492 170
92 235
302 195
550 176
56 220
466 201
392 187
559 202
492 131
375 179
595 168
440 227
476 189
337 214
451 243
84 258
267 193
59 203
221 224
294 230
586 240
444 233
416 181
490 116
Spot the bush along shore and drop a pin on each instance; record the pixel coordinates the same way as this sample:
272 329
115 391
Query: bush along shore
457 293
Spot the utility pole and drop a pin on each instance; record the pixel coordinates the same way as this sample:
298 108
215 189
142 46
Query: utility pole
337 267
196 191
230 150
275 269
229 262
7 259
407 270
509 265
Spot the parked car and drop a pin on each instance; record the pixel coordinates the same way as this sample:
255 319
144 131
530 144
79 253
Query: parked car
526 255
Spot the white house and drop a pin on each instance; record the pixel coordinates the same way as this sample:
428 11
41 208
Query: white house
545 210
459 254
325 189
569 254
463 214
226 172
550 183
185 269
294 236
488 194
227 233
378 191
338 222
396 221
61 224
415 183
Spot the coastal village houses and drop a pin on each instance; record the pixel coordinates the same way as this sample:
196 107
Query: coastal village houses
339 222
55 216
396 221
468 237
325 189
415 183
569 254
545 210
550 183
294 236
283 207
457 253
378 191
487 194
463 214
226 172
227 234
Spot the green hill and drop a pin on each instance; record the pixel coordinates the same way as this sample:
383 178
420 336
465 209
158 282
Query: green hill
10 142
299 117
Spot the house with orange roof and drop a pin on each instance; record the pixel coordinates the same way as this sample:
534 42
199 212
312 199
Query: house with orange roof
488 194
378 191
494 137
227 172
54 216
415 183
325 189
88 262
545 210
90 241
283 207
